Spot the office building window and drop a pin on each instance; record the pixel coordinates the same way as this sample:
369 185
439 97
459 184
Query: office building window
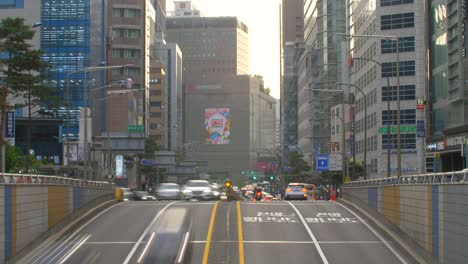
132 33
407 68
155 114
408 141
407 92
405 44
155 103
395 2
118 12
395 21
132 12
9 4
407 117
131 53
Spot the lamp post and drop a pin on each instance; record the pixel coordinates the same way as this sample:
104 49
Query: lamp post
343 135
388 111
85 147
365 125
397 40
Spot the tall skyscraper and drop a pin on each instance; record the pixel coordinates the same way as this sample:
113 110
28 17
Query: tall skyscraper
292 30
405 19
214 47
131 27
448 116
319 68
72 38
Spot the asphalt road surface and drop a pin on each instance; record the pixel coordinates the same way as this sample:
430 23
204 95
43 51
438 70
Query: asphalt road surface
227 232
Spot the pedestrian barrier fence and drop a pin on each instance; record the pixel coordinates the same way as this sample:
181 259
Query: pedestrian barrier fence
31 179
455 177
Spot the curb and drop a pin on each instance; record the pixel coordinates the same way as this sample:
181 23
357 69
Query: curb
65 226
399 240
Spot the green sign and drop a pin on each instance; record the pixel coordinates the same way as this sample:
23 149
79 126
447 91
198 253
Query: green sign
136 128
393 129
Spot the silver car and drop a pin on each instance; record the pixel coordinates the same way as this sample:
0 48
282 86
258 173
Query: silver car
296 191
197 189
168 191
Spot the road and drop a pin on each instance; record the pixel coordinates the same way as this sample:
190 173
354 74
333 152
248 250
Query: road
227 232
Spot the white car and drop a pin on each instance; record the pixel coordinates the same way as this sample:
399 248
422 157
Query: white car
197 189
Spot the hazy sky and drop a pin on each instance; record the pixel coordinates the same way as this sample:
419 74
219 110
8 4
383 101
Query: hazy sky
262 18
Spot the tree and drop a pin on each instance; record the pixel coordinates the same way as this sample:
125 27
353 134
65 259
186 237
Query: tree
297 162
23 70
14 37
13 158
27 82
356 170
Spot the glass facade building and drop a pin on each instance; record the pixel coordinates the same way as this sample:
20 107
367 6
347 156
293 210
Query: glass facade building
72 38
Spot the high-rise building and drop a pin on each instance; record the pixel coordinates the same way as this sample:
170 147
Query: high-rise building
131 27
72 38
230 124
171 56
292 30
447 86
214 48
185 8
157 103
319 69
292 21
405 19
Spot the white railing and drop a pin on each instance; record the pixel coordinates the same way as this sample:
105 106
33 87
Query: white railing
31 179
455 177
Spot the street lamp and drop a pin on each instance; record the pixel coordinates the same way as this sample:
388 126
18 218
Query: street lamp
343 136
397 40
388 111
85 70
365 124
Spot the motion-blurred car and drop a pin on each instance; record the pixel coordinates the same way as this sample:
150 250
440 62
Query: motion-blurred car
168 191
197 189
215 193
169 241
144 196
223 197
127 194
296 191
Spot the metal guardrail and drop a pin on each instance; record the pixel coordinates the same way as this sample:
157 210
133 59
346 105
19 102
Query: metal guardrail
455 177
31 179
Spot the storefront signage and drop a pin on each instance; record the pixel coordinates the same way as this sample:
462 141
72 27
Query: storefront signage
420 128
393 129
455 141
439 145
420 103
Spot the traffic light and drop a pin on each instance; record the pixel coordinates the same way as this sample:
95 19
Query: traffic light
272 177
228 184
243 172
254 177
251 172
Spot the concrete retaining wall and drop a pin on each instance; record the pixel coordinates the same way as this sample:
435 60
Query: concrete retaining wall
435 216
27 211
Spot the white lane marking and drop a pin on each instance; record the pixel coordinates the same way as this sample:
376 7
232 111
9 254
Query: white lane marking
112 242
146 247
377 235
195 203
288 242
49 258
135 247
184 246
74 249
74 234
261 203
317 246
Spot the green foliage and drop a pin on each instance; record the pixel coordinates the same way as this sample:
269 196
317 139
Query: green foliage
13 158
357 168
151 145
297 162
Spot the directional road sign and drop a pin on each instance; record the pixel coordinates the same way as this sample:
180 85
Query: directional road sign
321 162
147 162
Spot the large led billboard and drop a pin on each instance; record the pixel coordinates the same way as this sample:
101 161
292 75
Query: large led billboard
217 126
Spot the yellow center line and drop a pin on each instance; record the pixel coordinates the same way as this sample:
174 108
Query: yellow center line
239 234
210 234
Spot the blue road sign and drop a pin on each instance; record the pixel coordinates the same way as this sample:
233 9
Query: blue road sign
147 162
321 162
420 128
10 124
